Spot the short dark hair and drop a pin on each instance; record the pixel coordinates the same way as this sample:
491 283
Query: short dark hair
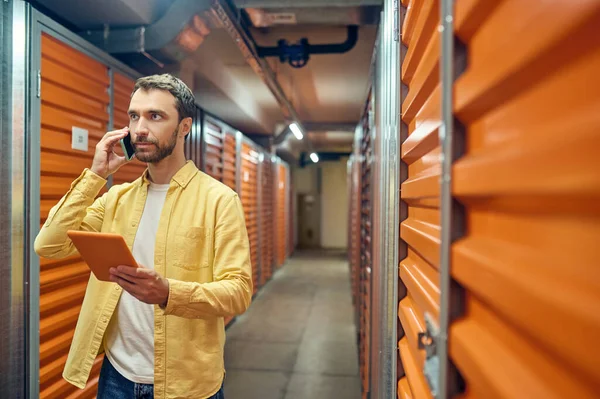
184 98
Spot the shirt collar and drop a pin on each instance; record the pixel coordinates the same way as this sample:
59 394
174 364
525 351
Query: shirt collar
182 177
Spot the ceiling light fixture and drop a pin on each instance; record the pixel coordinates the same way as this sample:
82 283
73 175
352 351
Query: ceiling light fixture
314 157
296 131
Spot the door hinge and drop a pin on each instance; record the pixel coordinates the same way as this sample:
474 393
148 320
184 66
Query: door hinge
428 341
39 84
396 22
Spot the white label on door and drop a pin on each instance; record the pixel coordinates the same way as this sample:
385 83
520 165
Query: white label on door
79 139
246 175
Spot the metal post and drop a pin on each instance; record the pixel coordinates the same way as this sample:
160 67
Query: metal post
14 71
384 346
445 134
203 143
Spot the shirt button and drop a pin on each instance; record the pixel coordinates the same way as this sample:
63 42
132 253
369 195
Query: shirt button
117 288
133 224
104 319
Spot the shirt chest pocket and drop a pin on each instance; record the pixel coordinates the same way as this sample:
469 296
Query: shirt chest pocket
191 248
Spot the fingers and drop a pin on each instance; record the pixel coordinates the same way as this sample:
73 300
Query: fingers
126 285
124 276
137 272
111 138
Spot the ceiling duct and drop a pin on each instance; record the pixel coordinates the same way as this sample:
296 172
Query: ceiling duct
319 15
305 3
179 31
297 55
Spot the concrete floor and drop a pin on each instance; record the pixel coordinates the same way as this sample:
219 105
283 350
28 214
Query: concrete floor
298 339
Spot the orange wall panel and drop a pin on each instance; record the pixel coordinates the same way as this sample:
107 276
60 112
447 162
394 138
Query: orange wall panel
267 214
420 153
530 186
70 97
282 230
249 197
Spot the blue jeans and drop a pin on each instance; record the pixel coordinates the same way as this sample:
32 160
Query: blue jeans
113 385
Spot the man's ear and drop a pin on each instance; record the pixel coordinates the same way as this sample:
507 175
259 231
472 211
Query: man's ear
186 127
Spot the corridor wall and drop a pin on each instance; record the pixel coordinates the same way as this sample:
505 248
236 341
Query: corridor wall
70 97
504 266
267 216
249 184
282 212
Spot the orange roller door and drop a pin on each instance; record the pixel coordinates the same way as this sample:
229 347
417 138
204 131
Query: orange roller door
249 197
267 214
123 88
420 152
529 181
71 97
366 217
213 155
354 224
229 164
281 214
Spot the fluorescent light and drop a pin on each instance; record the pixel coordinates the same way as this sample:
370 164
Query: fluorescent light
314 157
296 130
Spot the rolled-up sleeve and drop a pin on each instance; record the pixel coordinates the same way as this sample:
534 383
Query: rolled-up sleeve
78 209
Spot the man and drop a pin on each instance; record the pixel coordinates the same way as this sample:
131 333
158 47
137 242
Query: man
160 325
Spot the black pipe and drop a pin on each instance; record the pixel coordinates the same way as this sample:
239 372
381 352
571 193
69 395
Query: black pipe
298 54
341 48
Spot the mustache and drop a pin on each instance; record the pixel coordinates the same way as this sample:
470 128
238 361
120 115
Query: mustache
144 140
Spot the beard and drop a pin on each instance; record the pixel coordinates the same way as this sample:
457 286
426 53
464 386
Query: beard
161 152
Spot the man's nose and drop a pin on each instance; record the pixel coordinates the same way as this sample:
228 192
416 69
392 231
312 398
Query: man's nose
140 128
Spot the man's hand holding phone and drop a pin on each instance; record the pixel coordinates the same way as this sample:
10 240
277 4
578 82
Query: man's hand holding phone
106 161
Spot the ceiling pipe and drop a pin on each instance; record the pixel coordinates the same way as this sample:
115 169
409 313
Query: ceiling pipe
224 13
297 55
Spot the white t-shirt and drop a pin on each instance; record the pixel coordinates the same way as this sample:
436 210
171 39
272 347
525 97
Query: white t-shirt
129 341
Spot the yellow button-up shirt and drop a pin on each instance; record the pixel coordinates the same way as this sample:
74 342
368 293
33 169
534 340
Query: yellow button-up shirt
201 247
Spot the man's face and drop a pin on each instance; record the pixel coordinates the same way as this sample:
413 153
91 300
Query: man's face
154 125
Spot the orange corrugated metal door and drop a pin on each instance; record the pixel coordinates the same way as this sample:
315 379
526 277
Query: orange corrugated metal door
229 156
267 214
529 181
249 194
366 200
123 87
281 214
74 94
291 218
420 191
354 228
213 139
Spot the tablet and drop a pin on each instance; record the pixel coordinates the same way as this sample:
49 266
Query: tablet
101 251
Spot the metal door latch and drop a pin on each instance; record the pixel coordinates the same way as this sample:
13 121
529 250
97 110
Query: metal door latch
427 340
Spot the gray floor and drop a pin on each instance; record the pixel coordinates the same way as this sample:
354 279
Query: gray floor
298 339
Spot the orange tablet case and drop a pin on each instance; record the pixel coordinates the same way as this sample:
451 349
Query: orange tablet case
101 251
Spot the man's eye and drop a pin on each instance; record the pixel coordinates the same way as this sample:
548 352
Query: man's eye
156 117
133 117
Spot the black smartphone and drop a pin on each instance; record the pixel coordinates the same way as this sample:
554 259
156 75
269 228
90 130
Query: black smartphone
127 147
